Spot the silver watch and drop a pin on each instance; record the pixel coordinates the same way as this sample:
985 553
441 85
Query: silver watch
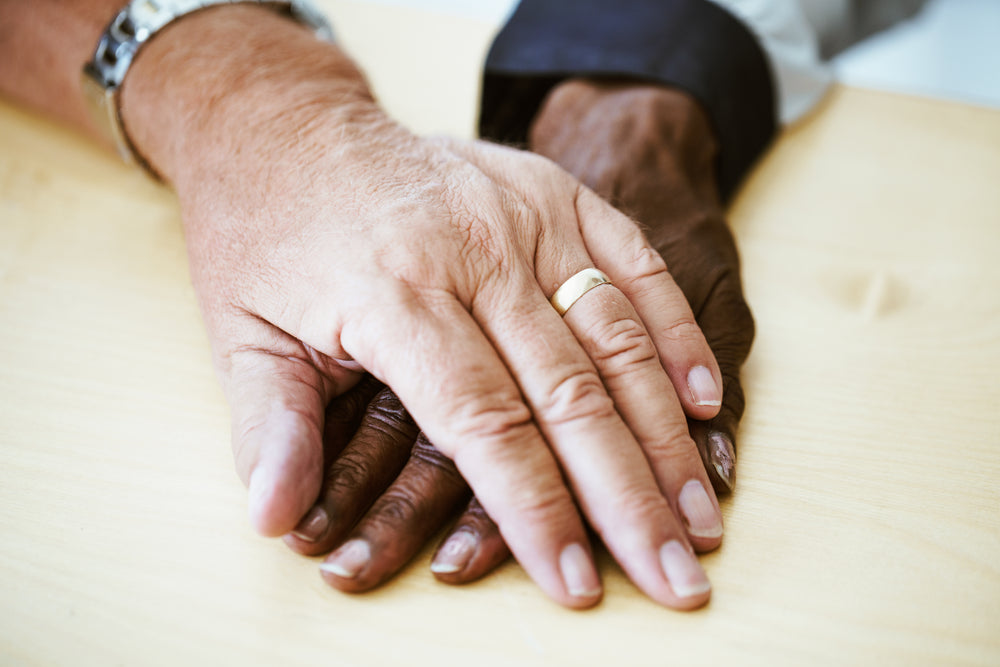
131 28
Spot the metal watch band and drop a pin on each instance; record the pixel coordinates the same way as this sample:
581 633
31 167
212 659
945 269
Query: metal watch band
134 25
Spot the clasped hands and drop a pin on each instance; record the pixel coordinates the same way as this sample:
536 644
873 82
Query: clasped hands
335 244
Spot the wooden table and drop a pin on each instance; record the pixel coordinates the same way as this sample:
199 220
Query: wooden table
866 524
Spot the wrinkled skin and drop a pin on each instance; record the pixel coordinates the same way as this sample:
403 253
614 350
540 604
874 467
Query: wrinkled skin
325 241
648 150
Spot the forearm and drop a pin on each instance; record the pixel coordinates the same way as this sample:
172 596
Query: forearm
210 85
43 45
200 91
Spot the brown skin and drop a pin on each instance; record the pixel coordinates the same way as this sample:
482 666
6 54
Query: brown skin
650 151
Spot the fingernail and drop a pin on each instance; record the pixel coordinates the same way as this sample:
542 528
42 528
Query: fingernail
700 516
348 560
455 553
704 390
578 572
683 571
723 457
312 525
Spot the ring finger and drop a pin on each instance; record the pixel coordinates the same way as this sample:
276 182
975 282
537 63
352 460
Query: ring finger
613 336
607 470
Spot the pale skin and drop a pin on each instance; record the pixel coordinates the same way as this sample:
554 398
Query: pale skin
649 149
325 240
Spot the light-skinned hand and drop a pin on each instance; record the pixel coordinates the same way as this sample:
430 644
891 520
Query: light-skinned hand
651 150
324 240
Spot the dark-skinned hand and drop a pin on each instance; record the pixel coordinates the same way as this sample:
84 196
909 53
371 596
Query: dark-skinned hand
650 151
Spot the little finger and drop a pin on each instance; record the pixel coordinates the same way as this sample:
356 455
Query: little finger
620 249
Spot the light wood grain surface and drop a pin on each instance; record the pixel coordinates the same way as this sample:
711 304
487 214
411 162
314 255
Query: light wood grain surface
865 528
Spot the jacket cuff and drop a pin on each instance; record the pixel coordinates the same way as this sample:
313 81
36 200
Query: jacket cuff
693 45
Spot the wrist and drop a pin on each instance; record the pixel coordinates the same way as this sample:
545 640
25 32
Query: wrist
219 84
648 148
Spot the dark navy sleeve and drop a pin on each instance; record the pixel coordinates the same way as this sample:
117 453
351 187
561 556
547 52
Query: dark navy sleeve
693 45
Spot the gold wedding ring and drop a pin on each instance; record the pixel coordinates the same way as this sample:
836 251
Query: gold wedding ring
578 285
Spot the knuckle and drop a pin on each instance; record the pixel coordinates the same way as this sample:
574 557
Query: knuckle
430 458
621 345
491 417
577 396
396 507
387 401
349 473
646 262
383 437
387 416
683 330
366 466
648 269
542 504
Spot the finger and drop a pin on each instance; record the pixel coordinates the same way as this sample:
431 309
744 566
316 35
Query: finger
729 327
343 418
612 335
416 505
368 464
706 267
433 354
716 442
607 470
277 407
474 548
559 254
619 248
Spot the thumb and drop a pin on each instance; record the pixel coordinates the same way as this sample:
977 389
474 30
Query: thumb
277 405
